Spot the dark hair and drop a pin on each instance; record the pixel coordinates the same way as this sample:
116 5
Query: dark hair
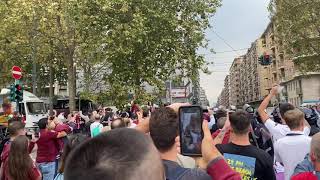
19 162
42 123
240 122
284 107
119 154
14 127
118 123
124 115
164 128
220 113
73 142
221 122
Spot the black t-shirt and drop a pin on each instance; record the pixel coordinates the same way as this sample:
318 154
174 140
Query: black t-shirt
263 162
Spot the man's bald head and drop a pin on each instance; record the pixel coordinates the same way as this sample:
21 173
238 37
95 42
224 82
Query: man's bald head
315 148
119 154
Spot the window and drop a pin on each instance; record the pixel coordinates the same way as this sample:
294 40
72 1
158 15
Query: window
36 107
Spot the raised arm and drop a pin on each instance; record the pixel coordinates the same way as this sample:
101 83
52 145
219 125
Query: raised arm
61 134
263 106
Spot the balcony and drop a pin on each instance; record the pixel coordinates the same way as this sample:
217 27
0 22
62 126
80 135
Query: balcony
272 46
299 91
274 69
281 65
281 52
283 79
271 36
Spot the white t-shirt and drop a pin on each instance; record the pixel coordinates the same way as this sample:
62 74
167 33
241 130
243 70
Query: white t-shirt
291 150
95 129
280 130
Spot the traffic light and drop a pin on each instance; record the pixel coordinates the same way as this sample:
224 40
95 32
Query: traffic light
261 59
19 93
265 60
12 93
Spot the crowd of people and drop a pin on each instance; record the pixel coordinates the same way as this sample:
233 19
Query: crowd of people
144 144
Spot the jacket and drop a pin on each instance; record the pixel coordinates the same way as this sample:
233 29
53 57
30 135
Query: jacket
218 169
305 167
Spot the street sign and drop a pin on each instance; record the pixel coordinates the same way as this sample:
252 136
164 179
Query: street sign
16 72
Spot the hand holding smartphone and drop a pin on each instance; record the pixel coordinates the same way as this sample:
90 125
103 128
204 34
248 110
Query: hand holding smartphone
190 130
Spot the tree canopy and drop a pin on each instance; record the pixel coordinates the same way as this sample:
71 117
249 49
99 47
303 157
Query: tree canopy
139 41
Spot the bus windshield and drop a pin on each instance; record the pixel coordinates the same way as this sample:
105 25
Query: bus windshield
36 107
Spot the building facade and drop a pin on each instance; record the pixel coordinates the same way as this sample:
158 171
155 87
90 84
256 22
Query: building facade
299 87
203 98
255 79
235 81
227 91
249 81
223 99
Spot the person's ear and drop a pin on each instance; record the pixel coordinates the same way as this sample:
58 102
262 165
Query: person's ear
177 144
312 157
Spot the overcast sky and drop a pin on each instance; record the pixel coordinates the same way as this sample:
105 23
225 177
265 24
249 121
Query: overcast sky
239 23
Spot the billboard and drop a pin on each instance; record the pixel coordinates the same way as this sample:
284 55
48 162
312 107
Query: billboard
178 92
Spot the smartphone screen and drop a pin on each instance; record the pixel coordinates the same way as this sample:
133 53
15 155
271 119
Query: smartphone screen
190 129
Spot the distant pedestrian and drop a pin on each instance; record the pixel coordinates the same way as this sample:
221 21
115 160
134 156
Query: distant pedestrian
96 127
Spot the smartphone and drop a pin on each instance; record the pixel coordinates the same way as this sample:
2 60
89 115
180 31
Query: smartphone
190 130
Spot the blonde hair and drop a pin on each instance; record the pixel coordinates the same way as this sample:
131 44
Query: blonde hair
294 118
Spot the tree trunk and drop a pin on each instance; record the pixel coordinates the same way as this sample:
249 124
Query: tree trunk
71 81
87 74
34 55
51 90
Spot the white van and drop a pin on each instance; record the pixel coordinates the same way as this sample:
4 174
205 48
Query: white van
32 108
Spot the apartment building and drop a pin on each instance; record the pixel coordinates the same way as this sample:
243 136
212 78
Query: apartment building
235 82
227 91
264 72
203 98
249 77
223 99
249 82
299 87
